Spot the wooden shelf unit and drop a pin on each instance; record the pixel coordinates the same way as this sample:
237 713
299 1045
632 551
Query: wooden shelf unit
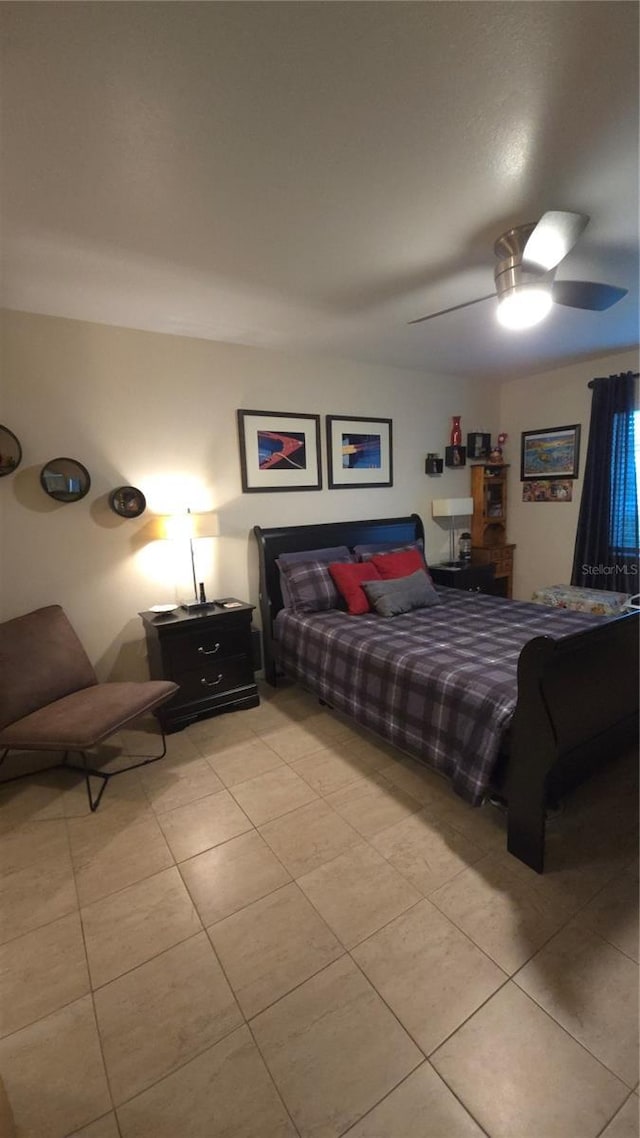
489 544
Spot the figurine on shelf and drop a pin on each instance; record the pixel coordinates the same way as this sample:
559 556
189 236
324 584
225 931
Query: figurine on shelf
495 455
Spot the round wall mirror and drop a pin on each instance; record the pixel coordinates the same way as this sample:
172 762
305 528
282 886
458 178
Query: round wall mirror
10 451
127 502
65 479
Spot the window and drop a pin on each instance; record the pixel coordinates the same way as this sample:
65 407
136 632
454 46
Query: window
606 550
625 482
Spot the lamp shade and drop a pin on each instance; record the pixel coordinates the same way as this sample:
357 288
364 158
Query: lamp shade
451 507
185 527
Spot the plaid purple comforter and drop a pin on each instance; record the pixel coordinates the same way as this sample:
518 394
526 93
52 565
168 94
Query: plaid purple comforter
440 683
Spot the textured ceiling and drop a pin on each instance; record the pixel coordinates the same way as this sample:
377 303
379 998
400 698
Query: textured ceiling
312 176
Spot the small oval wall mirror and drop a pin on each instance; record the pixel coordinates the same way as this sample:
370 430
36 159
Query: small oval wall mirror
127 502
10 451
65 479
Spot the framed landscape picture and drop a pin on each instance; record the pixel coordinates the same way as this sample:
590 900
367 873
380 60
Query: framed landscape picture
551 452
359 452
279 451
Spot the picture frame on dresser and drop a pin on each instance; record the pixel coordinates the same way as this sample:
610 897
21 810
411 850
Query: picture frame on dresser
279 451
359 452
550 452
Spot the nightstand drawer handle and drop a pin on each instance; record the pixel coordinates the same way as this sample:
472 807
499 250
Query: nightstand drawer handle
211 683
208 651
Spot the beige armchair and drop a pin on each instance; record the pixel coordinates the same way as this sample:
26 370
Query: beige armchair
51 700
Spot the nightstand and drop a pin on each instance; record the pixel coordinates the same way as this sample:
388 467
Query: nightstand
501 557
209 654
471 578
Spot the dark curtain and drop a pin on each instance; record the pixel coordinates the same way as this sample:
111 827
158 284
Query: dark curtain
606 553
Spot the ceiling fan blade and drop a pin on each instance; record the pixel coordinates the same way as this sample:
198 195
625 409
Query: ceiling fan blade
455 308
554 235
586 294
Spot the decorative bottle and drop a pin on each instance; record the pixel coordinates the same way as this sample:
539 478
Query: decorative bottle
465 548
456 431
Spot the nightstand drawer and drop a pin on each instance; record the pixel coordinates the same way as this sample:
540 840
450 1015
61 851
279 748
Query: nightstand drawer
204 649
213 679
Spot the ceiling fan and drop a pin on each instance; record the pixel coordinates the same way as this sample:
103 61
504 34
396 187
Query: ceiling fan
528 256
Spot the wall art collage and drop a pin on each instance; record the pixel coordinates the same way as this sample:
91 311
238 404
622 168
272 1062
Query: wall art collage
280 450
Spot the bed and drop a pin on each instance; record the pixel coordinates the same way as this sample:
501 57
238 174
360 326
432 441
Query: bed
500 696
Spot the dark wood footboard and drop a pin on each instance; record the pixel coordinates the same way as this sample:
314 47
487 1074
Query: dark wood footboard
577 705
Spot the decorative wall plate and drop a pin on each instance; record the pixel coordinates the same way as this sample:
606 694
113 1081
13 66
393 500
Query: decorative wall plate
127 502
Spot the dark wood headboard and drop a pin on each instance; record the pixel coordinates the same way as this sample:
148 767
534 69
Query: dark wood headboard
293 539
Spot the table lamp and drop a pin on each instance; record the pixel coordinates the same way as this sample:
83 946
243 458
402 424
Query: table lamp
190 527
452 508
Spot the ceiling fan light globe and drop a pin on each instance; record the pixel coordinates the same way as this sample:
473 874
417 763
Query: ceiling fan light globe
524 307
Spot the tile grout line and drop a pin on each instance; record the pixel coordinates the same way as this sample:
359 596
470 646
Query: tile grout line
191 1058
460 929
272 1080
571 1036
578 1042
91 993
180 1066
426 1062
585 905
295 988
366 841
245 1023
248 905
616 1112
184 940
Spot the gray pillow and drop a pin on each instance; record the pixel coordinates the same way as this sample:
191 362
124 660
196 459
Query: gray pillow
401 594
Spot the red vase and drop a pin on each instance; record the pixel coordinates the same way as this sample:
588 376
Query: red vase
456 432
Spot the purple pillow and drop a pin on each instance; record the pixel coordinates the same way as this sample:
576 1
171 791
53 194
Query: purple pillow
366 552
310 587
324 556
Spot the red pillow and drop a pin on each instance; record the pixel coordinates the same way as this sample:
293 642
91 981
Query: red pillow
348 581
391 565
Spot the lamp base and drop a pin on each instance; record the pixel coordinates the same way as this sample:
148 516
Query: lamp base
195 606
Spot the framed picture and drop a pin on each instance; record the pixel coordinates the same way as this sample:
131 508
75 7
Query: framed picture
551 452
279 451
548 490
359 452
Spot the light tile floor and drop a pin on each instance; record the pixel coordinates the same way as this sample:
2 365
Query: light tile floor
285 928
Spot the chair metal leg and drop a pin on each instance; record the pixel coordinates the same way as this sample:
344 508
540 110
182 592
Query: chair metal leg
87 771
106 775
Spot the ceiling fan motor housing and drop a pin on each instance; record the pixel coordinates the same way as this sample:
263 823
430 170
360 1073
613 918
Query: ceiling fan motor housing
509 273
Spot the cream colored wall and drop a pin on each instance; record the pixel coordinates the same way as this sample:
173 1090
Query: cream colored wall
158 412
545 532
